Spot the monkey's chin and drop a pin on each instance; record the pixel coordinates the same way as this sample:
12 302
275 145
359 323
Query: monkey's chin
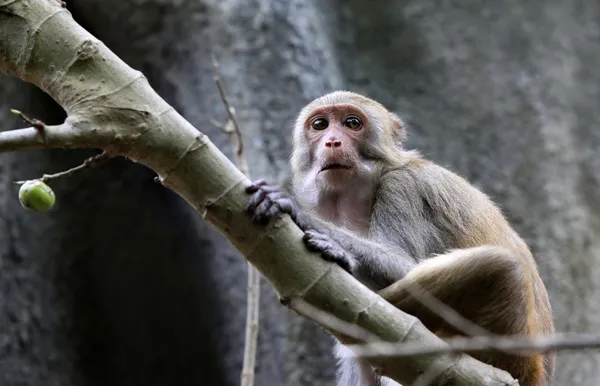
337 178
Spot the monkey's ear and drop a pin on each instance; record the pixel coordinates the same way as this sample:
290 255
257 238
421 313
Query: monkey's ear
398 129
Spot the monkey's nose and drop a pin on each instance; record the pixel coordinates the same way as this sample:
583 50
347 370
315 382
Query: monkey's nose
333 143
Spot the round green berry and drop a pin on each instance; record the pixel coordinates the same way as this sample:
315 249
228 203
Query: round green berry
36 196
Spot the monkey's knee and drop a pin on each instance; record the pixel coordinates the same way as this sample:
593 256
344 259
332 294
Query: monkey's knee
458 270
500 271
494 292
479 283
471 269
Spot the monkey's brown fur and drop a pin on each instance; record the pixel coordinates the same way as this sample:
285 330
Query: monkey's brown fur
392 218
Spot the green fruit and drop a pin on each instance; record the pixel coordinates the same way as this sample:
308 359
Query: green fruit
36 196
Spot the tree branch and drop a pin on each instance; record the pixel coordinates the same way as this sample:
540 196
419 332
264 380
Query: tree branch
26 139
112 107
516 345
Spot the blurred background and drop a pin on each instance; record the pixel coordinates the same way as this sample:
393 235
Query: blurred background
122 283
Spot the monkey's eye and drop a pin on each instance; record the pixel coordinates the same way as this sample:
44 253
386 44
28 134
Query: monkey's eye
353 123
319 124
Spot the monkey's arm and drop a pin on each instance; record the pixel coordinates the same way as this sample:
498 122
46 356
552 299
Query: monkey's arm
375 261
420 211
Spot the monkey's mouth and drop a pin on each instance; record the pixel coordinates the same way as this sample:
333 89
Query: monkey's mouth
334 166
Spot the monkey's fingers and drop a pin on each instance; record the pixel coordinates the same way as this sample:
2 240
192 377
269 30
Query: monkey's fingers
313 236
285 204
255 185
258 197
330 250
272 204
342 260
267 208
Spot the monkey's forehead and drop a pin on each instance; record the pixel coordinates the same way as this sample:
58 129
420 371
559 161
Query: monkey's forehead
340 96
367 105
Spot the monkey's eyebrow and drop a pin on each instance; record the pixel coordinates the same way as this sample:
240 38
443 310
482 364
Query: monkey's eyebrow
324 110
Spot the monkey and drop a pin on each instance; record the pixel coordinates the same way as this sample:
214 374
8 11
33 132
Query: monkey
392 218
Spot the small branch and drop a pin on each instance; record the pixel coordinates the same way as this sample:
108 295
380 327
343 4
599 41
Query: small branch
41 136
22 139
232 129
238 143
88 163
35 123
478 344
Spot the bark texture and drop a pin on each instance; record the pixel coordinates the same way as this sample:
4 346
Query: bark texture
123 284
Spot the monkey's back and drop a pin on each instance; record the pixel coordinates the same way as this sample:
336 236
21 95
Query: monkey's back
438 211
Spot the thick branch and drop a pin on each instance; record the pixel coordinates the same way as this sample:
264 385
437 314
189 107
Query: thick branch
111 106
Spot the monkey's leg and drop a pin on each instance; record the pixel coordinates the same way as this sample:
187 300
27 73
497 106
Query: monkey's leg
353 371
488 286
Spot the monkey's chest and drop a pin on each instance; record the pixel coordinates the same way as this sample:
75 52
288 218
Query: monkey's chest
350 212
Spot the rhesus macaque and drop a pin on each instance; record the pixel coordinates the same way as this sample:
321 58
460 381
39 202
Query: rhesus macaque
391 218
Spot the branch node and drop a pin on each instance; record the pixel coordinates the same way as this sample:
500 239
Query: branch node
198 142
332 322
365 311
323 275
211 202
35 123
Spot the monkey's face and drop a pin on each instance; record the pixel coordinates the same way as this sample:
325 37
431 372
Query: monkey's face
334 134
342 140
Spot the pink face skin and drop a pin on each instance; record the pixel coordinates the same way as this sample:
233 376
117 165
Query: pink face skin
334 133
340 180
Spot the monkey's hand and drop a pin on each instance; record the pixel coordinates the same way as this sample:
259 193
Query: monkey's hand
329 249
267 201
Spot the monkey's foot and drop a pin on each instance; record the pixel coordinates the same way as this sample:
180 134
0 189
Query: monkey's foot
330 250
267 201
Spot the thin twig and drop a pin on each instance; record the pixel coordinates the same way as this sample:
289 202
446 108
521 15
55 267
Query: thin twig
478 344
447 313
36 123
232 129
238 142
88 163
